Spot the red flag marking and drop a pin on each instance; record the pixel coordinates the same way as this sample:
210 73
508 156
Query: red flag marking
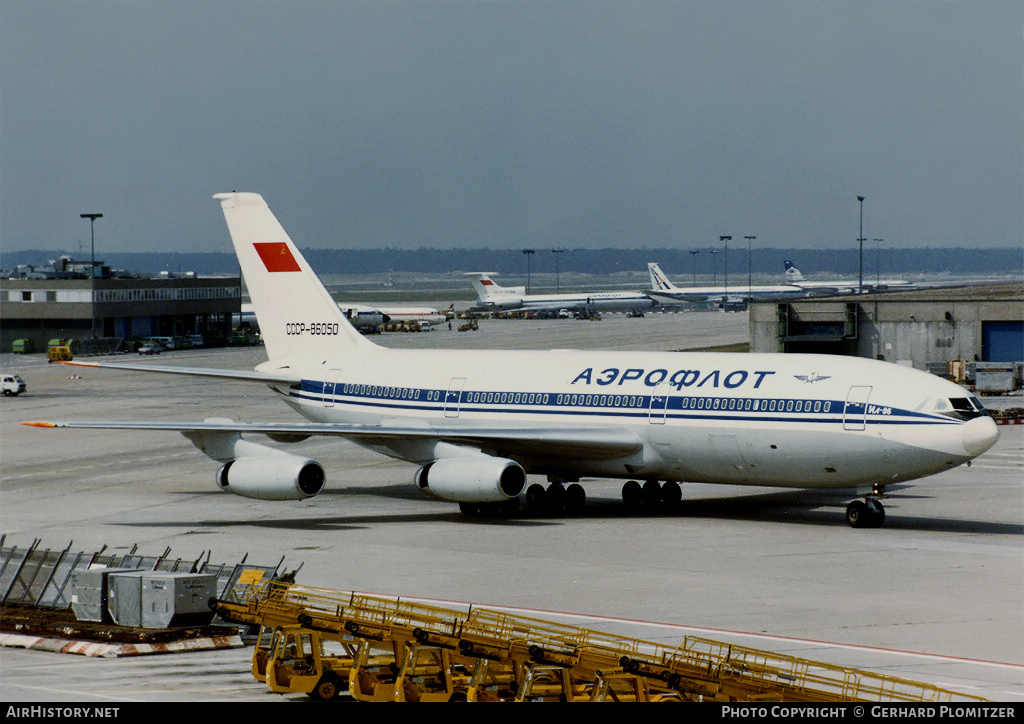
276 257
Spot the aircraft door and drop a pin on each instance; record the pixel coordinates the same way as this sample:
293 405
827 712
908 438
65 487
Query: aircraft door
453 397
855 413
659 405
330 385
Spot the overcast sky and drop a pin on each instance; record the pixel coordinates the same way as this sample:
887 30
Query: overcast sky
513 124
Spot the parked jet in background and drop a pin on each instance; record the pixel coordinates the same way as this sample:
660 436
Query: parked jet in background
424 316
492 296
477 422
361 317
668 293
845 286
364 317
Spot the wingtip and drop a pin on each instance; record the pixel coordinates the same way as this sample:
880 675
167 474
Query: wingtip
72 363
38 423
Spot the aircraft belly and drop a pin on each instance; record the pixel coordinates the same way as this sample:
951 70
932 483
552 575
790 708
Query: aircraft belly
791 456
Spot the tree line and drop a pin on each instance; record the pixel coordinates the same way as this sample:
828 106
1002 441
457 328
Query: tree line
679 264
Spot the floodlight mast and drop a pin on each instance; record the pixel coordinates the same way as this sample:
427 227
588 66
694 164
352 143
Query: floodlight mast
92 266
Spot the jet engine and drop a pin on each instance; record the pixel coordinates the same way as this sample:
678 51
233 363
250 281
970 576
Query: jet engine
258 471
274 477
472 480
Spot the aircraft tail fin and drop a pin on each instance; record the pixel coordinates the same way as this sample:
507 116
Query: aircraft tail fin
486 288
483 285
659 281
792 273
296 313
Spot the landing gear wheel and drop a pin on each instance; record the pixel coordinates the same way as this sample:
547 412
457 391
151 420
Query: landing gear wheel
857 514
556 498
632 494
470 509
650 495
671 494
536 500
865 514
876 513
575 499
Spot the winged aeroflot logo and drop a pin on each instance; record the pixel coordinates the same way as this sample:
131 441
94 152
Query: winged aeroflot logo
813 377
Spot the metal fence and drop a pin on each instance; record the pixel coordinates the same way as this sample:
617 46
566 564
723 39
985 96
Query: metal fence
41 578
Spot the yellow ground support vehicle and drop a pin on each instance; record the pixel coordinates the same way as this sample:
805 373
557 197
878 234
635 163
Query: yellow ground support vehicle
620 686
416 672
316 641
265 643
432 673
302 662
59 350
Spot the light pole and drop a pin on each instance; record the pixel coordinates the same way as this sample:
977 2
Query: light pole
92 266
714 266
529 253
695 252
860 242
878 262
750 278
726 239
558 269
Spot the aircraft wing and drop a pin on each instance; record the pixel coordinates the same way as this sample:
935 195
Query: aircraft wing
280 378
605 443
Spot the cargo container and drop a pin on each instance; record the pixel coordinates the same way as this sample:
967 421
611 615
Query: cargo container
154 599
89 593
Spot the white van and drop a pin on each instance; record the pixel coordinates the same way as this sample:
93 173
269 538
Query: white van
12 385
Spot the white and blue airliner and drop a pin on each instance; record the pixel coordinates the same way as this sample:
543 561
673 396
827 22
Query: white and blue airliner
477 423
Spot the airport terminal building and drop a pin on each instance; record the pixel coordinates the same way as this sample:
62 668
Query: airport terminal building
924 328
65 303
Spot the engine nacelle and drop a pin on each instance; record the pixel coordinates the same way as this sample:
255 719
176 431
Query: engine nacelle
273 477
472 480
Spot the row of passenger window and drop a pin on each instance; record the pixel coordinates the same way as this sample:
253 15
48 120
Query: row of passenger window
538 398
394 393
754 405
698 403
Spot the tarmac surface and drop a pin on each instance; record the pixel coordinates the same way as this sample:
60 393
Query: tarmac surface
937 595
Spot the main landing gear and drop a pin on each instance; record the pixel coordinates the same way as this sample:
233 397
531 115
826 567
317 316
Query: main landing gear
556 499
652 495
568 498
867 513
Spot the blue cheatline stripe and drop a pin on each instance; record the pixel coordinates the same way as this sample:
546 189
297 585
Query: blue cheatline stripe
628 407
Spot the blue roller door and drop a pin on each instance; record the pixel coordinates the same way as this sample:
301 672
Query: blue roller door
1002 341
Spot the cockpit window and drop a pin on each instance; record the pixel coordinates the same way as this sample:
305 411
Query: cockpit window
964 408
961 408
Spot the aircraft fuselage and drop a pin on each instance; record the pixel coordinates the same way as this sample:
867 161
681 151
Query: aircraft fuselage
743 419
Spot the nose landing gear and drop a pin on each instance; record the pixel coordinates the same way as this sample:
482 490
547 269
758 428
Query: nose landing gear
867 513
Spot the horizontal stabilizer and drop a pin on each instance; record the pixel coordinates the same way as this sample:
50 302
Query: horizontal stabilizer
269 378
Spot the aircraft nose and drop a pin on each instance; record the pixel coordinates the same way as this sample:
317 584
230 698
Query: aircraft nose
979 435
